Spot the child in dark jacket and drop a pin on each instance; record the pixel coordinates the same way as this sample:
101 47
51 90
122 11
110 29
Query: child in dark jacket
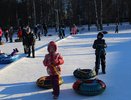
52 61
100 45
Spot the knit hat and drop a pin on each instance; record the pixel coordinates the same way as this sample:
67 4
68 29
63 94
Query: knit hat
52 47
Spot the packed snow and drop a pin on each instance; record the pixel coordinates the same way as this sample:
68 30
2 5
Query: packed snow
18 79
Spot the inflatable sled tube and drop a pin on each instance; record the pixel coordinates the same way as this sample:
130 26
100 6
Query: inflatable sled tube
18 40
45 82
84 73
3 55
9 59
89 87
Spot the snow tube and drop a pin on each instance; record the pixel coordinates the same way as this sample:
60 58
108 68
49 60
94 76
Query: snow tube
89 87
8 59
84 73
45 82
3 55
18 40
50 35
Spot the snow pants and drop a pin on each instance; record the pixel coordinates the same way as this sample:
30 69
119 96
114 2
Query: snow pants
55 84
31 49
100 59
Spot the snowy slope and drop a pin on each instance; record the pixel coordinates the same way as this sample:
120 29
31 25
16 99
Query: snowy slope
17 80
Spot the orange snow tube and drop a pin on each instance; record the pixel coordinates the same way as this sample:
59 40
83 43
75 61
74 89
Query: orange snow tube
45 82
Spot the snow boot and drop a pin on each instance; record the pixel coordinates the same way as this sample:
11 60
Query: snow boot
16 50
55 97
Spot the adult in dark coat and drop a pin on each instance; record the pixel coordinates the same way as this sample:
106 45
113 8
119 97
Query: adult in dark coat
100 45
11 31
24 39
31 44
45 29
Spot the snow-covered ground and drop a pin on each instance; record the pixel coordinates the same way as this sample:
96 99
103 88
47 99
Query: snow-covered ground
17 80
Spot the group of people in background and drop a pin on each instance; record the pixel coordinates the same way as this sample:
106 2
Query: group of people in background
25 34
28 35
8 33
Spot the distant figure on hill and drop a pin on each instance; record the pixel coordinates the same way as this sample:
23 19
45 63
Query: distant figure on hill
11 31
116 29
74 29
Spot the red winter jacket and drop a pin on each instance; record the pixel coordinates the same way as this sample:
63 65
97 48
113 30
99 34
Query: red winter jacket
53 59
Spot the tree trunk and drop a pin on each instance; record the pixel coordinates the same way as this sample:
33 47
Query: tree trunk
97 23
101 16
34 13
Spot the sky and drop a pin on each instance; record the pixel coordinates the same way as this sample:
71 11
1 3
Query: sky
18 79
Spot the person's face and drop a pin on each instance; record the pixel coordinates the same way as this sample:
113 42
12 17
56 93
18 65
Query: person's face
52 50
99 36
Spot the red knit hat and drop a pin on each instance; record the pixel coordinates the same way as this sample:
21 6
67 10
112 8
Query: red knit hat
52 47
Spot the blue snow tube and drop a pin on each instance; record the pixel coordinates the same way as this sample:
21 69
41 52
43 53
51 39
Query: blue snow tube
84 73
3 55
6 59
89 87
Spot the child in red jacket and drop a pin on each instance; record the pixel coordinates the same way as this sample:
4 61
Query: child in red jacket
52 62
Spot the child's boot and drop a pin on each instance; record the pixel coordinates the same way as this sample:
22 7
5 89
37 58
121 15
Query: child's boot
55 97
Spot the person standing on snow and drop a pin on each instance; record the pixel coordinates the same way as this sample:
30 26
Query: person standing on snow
61 32
11 33
52 61
100 45
116 29
30 42
24 39
20 33
39 31
6 34
45 29
35 31
74 30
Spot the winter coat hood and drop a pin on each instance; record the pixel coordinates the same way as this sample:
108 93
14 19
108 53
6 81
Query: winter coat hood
52 47
100 35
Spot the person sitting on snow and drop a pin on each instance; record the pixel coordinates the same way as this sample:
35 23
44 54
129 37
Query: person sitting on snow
52 61
100 45
14 52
